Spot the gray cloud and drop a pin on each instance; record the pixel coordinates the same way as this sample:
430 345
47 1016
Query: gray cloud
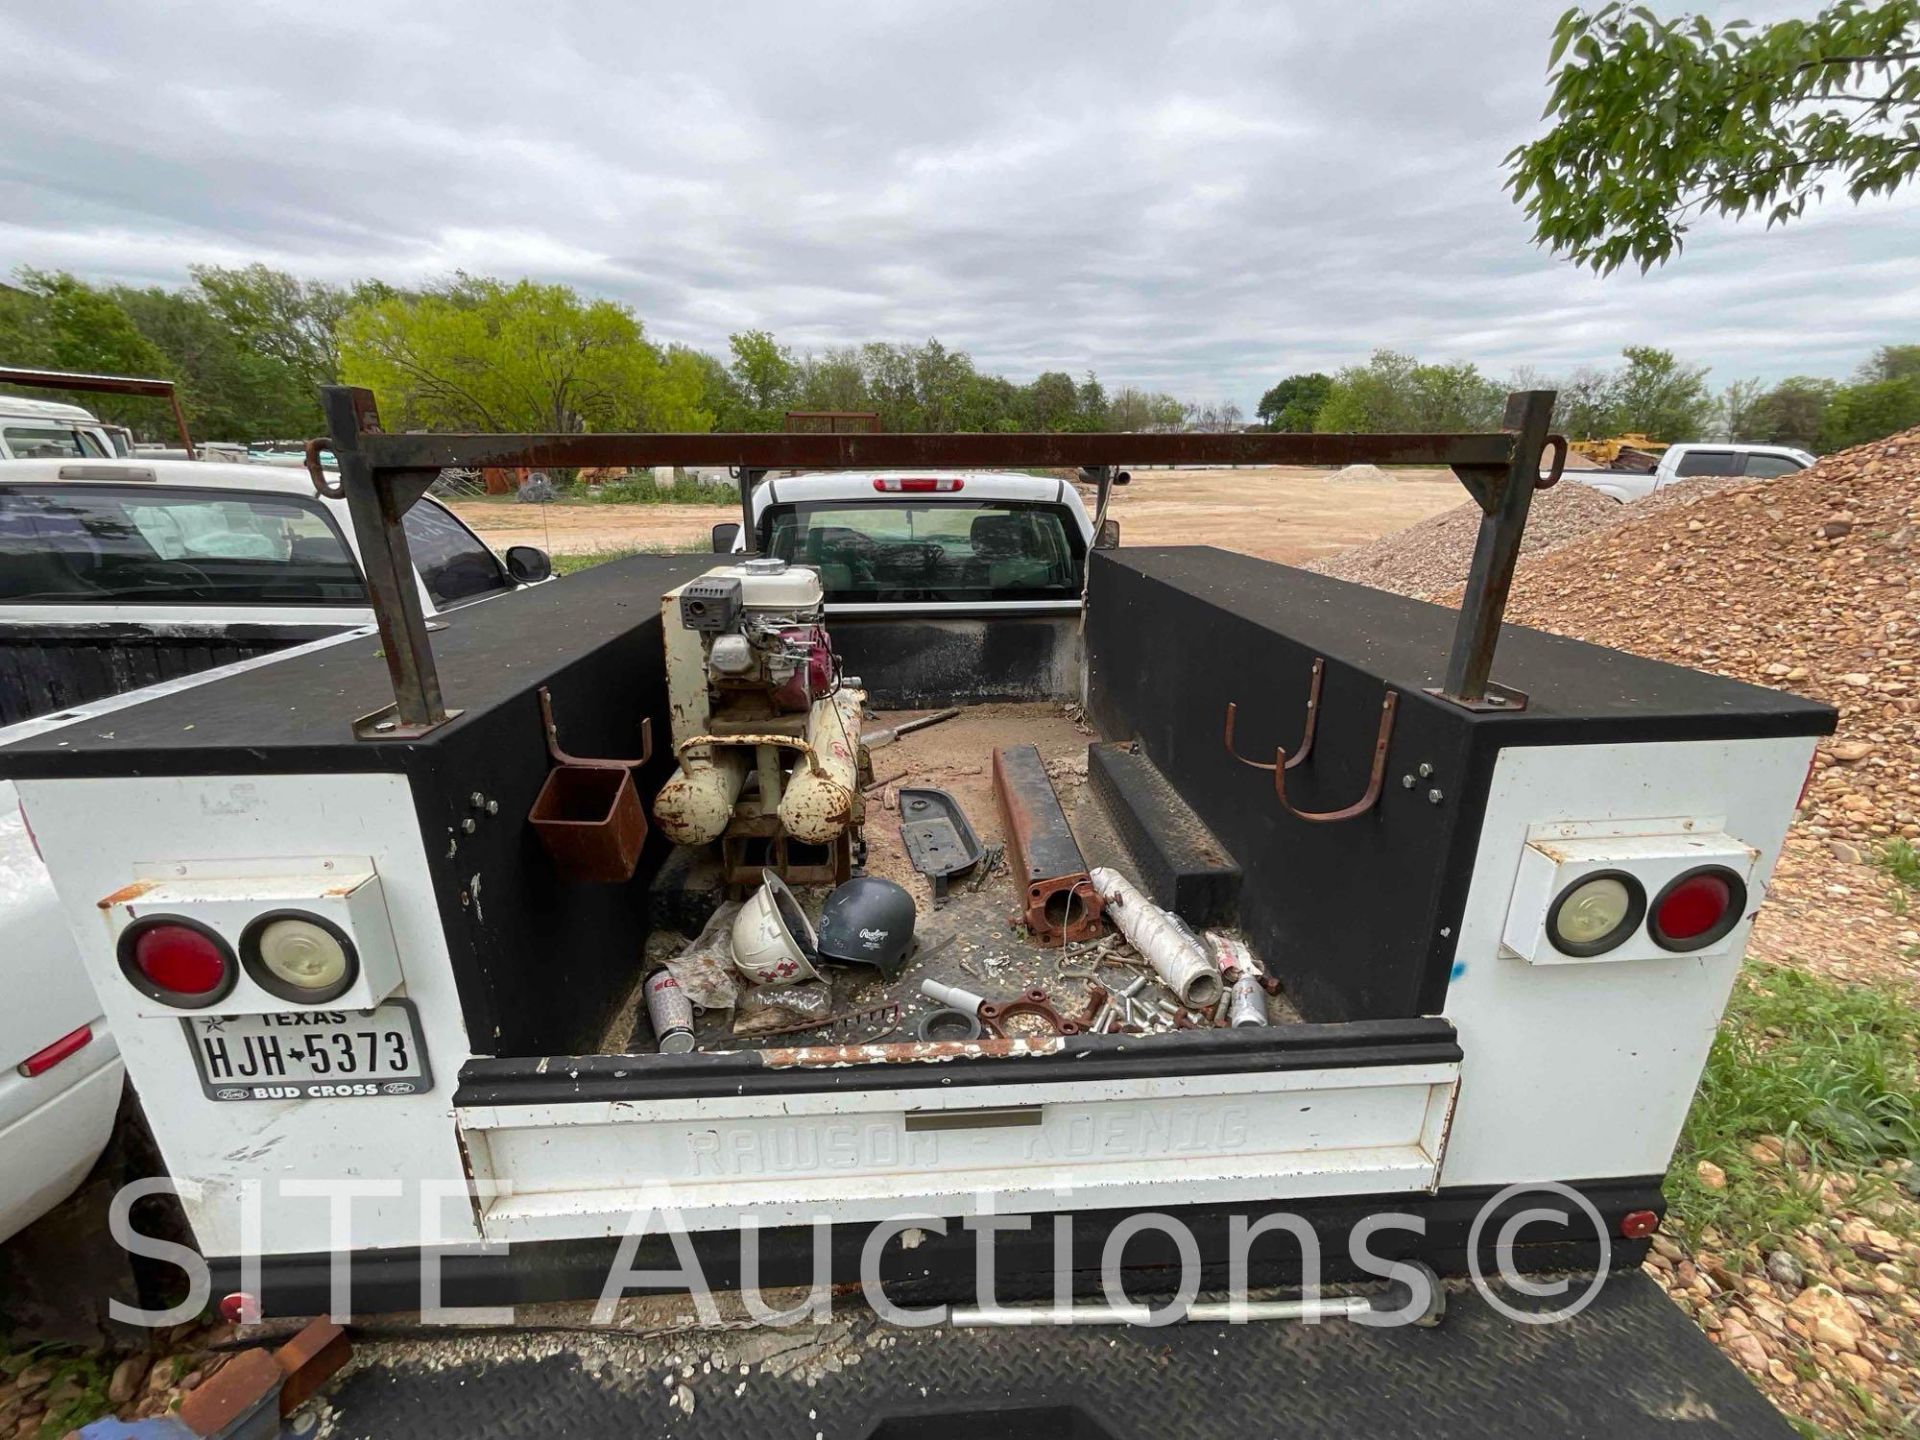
1196 197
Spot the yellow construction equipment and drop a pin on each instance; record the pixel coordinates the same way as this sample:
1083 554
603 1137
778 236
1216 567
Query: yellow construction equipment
1608 452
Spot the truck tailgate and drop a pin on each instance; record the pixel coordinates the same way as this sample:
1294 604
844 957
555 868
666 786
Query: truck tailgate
1631 1365
1209 1127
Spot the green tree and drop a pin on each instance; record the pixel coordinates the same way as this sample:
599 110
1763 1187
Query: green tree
291 322
479 354
1395 392
1859 413
1294 402
1588 404
1660 121
1657 396
1739 408
1374 397
1090 405
1891 362
1052 401
1793 412
833 380
229 390
53 320
765 377
1133 409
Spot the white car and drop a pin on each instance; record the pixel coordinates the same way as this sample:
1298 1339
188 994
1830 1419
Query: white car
117 573
1683 462
114 574
900 543
60 1088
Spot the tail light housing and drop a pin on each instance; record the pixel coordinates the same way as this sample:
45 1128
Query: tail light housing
1697 909
255 936
1582 897
177 961
919 485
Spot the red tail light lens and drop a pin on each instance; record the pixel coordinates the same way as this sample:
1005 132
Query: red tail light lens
177 961
1698 908
64 1048
920 485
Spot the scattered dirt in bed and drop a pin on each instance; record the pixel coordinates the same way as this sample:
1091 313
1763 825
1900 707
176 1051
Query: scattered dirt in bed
957 756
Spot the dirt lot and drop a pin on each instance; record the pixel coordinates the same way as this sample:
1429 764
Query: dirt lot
1286 514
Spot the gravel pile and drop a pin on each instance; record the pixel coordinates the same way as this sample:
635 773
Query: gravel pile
1360 472
1807 582
1434 554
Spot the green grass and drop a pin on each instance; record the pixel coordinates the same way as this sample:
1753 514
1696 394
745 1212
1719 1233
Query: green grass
1821 1065
1901 862
645 492
88 1373
587 559
626 492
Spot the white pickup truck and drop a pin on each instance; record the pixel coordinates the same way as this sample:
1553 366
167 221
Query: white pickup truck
889 542
384 1013
119 573
1683 462
54 430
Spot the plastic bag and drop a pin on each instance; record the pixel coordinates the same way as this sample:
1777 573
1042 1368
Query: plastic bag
705 968
768 1007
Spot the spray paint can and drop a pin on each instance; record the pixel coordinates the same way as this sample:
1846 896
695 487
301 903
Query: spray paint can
1249 1002
1232 952
670 1013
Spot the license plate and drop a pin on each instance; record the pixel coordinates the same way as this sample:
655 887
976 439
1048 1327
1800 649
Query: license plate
311 1054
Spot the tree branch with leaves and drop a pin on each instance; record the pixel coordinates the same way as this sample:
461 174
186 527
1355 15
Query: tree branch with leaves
1660 122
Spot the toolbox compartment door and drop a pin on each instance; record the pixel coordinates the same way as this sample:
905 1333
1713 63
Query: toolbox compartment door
766 1138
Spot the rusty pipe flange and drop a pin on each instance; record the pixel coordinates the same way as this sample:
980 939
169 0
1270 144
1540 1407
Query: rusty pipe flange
1033 1002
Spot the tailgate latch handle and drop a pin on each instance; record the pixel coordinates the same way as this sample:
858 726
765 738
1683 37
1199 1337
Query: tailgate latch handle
997 1117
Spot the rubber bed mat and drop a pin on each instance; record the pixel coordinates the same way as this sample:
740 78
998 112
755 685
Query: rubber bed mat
1631 1365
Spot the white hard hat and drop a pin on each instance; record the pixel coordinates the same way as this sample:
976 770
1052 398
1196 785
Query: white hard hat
773 943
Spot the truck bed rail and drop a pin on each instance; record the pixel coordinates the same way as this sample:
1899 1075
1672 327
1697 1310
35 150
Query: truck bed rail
384 474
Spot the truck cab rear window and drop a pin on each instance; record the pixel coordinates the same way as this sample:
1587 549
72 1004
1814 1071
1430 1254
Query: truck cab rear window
933 550
49 442
100 544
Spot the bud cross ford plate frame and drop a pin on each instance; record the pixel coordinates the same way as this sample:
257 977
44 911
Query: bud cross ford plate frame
311 1054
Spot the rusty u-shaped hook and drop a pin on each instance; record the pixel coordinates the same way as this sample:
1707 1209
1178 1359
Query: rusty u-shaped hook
561 757
1374 781
1306 736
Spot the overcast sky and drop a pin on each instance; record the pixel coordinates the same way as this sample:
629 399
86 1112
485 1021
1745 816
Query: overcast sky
1188 196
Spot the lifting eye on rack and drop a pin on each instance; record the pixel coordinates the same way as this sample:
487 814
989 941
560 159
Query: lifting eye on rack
1596 913
177 961
1697 908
